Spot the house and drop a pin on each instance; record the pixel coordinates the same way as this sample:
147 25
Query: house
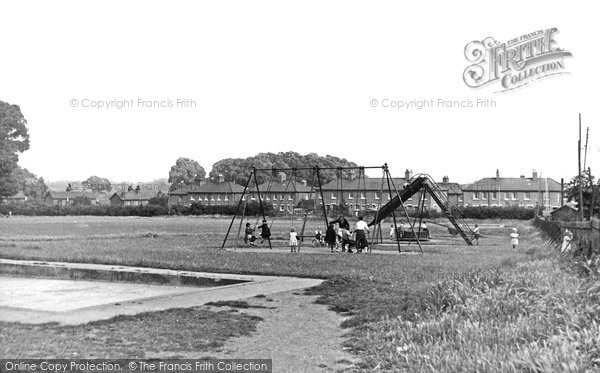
63 198
283 194
370 193
565 213
17 198
134 197
513 191
217 192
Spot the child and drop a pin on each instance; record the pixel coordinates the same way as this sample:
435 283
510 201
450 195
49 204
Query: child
514 238
249 235
392 232
566 245
265 231
293 240
331 237
476 234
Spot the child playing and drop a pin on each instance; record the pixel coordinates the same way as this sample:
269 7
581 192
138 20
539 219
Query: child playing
331 237
249 235
265 231
293 240
514 238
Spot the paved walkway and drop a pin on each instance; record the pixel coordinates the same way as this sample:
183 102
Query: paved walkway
68 302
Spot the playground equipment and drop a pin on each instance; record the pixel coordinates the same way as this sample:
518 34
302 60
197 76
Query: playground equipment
397 198
426 183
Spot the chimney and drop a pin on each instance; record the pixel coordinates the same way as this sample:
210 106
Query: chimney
129 188
497 174
522 176
123 194
281 177
351 175
534 175
407 174
137 189
303 182
220 178
445 180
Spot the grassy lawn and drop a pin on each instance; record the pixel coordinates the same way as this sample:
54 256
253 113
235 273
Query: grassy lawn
454 308
172 332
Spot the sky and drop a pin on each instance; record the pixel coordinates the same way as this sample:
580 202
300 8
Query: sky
210 80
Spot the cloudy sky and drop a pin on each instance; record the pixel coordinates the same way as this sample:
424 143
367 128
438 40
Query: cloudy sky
234 78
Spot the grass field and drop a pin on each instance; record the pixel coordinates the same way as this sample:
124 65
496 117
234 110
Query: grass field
454 308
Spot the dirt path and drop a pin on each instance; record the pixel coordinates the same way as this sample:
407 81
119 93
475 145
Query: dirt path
299 335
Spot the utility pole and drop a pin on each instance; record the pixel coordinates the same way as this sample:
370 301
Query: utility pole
579 178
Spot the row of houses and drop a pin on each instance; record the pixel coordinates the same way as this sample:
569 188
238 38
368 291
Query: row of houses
357 193
370 193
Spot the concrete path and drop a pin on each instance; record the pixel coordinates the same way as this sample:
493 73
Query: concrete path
68 302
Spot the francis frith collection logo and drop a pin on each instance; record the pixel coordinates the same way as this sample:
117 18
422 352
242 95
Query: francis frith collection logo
514 63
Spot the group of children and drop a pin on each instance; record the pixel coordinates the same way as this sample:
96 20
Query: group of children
346 239
265 233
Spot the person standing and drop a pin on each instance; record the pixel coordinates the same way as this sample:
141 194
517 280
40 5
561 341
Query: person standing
476 234
293 240
514 238
331 237
566 245
361 235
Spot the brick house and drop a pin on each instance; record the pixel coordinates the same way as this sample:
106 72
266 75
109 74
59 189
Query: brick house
62 198
513 191
17 198
218 192
284 195
133 197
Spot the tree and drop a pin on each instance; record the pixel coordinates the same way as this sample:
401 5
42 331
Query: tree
238 169
186 172
29 183
585 182
97 184
14 139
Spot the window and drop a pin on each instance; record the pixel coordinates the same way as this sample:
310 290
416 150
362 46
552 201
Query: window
357 207
484 195
306 196
206 197
274 197
362 196
513 196
178 200
506 195
377 196
527 195
219 197
192 199
281 207
333 196
290 197
226 197
212 197
475 195
350 196
494 196
274 206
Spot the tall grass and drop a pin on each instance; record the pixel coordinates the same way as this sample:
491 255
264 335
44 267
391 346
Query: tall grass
536 316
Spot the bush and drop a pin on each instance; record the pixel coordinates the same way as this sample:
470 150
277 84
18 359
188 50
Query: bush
38 209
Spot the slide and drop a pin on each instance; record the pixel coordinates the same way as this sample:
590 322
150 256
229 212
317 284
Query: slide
405 193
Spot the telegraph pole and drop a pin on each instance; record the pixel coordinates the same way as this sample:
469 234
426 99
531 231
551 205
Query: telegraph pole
579 178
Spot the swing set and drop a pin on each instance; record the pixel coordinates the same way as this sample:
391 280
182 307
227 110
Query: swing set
252 188
397 198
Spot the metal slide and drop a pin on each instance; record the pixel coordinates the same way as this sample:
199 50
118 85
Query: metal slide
417 183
